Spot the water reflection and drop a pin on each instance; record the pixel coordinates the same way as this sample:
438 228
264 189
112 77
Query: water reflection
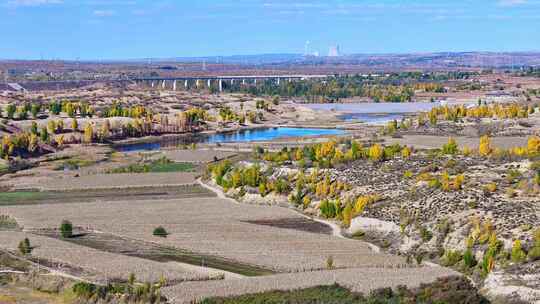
262 134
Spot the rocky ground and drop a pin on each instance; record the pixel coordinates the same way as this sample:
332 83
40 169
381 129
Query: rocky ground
417 217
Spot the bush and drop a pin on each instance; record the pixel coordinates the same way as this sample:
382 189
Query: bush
468 259
534 253
330 262
425 234
24 247
451 257
160 231
66 229
518 255
491 187
84 290
328 209
451 147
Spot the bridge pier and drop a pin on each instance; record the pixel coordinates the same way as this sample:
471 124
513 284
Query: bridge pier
198 83
244 81
278 80
163 84
174 85
185 84
220 85
209 83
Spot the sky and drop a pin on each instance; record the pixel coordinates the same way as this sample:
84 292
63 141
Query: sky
128 29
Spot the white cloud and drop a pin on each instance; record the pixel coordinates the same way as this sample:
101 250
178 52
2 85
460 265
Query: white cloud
104 13
512 2
33 2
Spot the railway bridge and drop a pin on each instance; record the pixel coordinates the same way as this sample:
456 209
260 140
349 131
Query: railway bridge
189 81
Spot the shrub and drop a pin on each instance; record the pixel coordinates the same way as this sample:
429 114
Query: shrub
513 176
518 255
66 229
328 209
407 174
466 151
451 257
491 187
7 222
406 152
376 152
347 215
84 290
451 147
468 259
488 263
330 262
534 253
425 234
160 231
485 148
24 247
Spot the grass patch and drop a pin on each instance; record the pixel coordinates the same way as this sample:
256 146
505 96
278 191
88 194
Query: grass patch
322 295
92 195
20 196
162 165
74 164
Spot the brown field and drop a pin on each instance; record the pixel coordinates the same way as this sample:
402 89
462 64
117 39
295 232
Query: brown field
358 280
210 226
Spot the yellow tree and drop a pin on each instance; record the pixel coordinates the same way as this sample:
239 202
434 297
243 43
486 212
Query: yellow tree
60 140
74 124
88 134
33 143
533 145
485 147
406 152
375 152
347 215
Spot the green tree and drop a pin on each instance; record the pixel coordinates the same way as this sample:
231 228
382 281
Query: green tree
518 255
10 110
74 124
24 247
34 128
160 231
66 229
36 108
44 135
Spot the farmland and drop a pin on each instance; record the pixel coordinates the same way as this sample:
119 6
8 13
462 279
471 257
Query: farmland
118 190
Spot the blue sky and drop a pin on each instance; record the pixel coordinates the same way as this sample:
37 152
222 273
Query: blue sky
116 29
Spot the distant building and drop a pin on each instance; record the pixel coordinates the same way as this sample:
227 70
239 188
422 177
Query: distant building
334 51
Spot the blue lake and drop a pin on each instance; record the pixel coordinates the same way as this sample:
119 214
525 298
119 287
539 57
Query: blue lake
263 134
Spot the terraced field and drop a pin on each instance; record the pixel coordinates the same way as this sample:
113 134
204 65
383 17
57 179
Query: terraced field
358 280
108 181
92 195
210 226
96 265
